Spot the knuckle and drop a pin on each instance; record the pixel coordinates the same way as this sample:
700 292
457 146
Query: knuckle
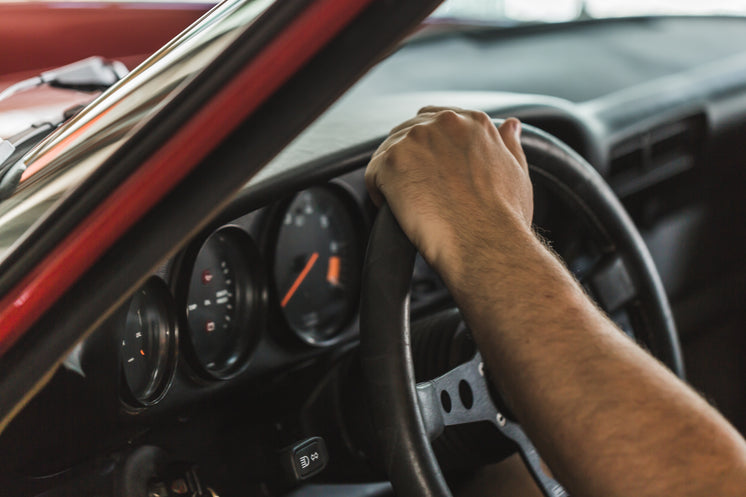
448 117
481 118
393 160
452 122
416 132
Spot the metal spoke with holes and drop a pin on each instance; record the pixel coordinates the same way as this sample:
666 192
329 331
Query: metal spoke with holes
462 396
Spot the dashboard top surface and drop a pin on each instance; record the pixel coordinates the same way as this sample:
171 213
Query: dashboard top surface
664 68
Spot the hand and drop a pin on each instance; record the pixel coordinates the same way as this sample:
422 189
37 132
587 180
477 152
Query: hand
457 185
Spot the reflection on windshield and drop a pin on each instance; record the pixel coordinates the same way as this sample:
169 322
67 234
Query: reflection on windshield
80 147
511 11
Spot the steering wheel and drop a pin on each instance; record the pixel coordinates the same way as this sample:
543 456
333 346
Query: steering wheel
407 415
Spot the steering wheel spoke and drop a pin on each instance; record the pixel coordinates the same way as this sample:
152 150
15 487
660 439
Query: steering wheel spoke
407 416
462 396
513 431
458 397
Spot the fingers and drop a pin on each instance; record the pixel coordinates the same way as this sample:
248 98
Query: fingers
374 171
434 109
400 131
426 114
418 119
510 131
392 139
373 180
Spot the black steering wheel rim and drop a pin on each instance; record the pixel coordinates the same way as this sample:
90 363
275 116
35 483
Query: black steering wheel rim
400 432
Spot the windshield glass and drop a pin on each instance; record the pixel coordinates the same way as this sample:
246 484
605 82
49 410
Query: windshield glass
79 148
519 11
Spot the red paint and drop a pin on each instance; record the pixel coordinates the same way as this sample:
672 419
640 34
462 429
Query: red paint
293 47
37 35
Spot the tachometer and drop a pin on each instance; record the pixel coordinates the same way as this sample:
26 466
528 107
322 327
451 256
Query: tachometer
318 257
223 302
148 343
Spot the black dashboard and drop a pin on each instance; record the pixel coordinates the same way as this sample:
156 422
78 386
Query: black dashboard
244 321
252 296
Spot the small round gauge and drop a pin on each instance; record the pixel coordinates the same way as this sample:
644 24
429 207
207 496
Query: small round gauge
317 263
222 303
148 343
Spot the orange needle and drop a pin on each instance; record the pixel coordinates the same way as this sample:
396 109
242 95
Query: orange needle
300 278
332 274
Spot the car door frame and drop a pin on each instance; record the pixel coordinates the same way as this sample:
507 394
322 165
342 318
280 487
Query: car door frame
182 171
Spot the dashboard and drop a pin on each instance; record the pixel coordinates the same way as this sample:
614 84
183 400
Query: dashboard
253 301
278 281
253 295
245 322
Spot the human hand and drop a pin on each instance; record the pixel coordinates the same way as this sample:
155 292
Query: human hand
458 186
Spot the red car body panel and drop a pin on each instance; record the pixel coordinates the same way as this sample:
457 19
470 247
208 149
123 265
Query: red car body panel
39 35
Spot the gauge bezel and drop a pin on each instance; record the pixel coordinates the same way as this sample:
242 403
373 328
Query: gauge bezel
360 224
160 289
253 299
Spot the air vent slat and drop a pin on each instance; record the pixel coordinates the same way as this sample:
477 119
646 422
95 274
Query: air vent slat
656 155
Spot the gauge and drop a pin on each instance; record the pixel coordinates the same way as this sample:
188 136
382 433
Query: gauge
148 343
223 302
317 264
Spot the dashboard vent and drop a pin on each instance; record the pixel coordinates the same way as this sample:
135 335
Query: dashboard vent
655 156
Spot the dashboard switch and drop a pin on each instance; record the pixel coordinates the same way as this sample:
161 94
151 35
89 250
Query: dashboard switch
305 459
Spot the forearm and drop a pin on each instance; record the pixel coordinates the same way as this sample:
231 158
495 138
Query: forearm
608 418
595 404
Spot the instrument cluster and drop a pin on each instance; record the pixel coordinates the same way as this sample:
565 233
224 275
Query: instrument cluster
288 273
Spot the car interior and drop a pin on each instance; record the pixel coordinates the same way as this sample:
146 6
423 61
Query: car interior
241 351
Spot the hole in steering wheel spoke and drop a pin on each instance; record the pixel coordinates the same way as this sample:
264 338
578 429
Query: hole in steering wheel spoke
445 401
466 394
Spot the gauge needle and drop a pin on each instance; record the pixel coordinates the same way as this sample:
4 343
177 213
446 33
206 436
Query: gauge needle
332 274
300 278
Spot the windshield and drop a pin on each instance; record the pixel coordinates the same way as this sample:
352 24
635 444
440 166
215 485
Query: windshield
76 151
519 11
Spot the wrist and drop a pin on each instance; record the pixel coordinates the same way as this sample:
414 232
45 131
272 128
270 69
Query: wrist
506 281
480 262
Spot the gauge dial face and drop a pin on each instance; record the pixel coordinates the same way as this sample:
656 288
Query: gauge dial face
147 344
317 265
220 302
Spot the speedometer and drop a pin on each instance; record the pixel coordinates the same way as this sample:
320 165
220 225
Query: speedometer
317 263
